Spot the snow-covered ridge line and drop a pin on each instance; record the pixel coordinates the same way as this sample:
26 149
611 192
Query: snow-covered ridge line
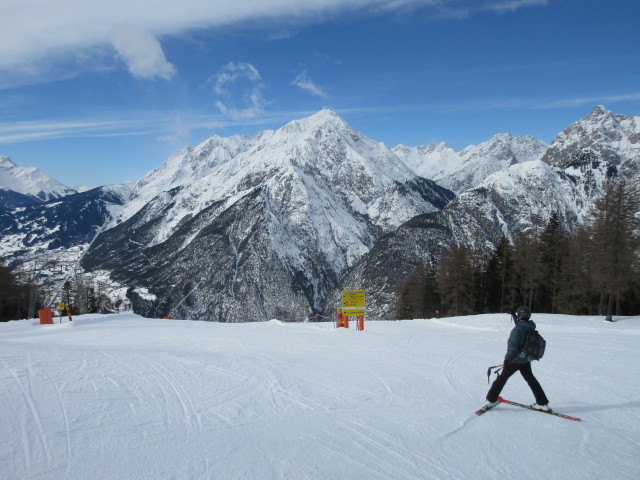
30 181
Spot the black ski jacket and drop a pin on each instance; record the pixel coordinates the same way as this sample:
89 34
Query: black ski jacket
515 344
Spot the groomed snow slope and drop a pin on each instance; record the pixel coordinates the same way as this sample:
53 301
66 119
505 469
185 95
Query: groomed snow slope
125 397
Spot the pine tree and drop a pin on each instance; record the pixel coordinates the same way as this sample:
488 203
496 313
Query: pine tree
456 280
576 292
526 268
417 296
499 279
614 229
409 294
14 297
552 250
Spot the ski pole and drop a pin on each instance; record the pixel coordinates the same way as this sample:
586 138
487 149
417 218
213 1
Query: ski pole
499 367
491 368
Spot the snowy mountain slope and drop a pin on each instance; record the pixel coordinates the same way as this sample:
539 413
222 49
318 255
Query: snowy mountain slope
320 149
57 225
123 396
12 199
301 204
564 182
461 171
515 200
31 182
186 166
429 161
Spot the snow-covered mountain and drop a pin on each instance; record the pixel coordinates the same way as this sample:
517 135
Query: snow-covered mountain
252 228
429 161
612 138
27 185
52 229
459 171
513 200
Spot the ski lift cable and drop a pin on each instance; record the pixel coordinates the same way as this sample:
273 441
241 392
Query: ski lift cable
173 310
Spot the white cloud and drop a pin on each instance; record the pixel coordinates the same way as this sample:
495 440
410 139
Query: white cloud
304 82
239 83
41 39
513 5
232 72
142 53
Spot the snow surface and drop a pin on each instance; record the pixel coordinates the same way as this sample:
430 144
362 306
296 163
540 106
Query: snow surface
121 396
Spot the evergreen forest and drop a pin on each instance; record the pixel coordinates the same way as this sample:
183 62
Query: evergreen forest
594 270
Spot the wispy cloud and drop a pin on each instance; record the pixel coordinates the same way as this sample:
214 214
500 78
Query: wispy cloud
463 9
594 100
304 82
533 103
166 126
513 5
17 132
176 127
230 73
250 97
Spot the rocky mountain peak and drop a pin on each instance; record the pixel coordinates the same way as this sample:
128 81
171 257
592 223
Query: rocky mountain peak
5 162
613 138
599 111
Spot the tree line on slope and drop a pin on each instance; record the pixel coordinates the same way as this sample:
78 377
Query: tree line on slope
19 296
14 296
593 270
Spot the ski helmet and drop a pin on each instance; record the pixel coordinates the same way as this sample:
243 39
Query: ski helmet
523 313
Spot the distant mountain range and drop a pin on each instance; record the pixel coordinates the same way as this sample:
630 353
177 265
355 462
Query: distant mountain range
459 171
519 198
252 228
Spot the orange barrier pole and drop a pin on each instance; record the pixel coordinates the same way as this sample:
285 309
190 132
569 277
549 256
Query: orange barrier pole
339 320
46 316
360 322
346 321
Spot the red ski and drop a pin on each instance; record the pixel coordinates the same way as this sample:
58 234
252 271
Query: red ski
550 412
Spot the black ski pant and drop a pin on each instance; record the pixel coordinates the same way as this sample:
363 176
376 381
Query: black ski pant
527 374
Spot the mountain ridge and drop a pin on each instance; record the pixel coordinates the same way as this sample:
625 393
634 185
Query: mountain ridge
459 171
319 193
243 228
517 199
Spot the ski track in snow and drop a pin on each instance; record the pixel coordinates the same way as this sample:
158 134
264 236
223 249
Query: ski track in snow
125 397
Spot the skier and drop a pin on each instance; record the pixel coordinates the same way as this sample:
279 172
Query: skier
513 362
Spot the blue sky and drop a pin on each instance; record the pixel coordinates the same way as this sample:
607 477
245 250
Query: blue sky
95 92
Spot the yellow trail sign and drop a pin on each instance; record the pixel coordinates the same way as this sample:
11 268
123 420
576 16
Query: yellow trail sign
353 302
